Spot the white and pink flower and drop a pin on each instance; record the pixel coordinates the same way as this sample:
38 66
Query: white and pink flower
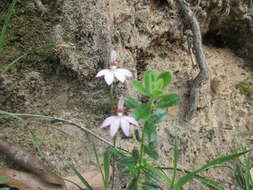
114 72
119 120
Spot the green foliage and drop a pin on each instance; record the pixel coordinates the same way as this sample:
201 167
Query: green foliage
6 22
77 173
211 164
154 84
243 166
168 100
131 102
175 160
142 112
246 87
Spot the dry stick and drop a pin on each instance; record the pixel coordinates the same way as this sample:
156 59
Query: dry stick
67 122
202 76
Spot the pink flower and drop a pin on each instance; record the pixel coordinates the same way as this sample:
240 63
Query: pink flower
113 71
119 120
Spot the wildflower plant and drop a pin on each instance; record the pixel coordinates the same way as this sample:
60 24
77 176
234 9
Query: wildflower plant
138 164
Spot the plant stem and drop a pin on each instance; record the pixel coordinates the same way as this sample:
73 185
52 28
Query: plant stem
112 97
113 162
140 158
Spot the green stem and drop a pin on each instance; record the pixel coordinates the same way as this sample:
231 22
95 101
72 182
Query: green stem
113 162
140 158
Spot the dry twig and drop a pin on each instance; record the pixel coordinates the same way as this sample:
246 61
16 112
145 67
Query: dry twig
202 76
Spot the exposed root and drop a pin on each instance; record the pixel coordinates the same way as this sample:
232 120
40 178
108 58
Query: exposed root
202 76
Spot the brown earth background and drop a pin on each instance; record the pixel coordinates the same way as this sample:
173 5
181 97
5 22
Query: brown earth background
147 34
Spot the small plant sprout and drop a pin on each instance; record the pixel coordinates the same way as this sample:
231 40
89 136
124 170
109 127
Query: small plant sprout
109 74
119 120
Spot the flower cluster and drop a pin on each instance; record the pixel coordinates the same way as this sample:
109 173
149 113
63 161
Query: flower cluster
119 120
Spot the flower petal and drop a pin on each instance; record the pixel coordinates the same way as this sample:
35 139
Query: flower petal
131 120
120 75
113 55
124 126
114 126
109 77
125 72
108 121
102 72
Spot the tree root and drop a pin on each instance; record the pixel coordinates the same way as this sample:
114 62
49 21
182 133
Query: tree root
195 84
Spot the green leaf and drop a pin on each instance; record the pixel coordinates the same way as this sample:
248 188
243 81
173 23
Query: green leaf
116 152
81 178
135 153
200 178
106 169
209 182
156 92
150 186
151 177
151 152
149 79
149 132
248 178
133 185
183 180
131 102
157 172
4 180
139 86
142 112
166 77
158 116
175 160
159 84
168 100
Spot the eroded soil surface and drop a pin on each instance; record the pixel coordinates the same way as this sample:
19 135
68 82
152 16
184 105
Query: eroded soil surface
147 35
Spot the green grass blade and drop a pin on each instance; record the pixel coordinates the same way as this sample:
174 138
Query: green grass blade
81 177
247 172
8 114
158 172
6 22
94 148
107 168
183 180
175 160
208 182
70 181
9 66
200 178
